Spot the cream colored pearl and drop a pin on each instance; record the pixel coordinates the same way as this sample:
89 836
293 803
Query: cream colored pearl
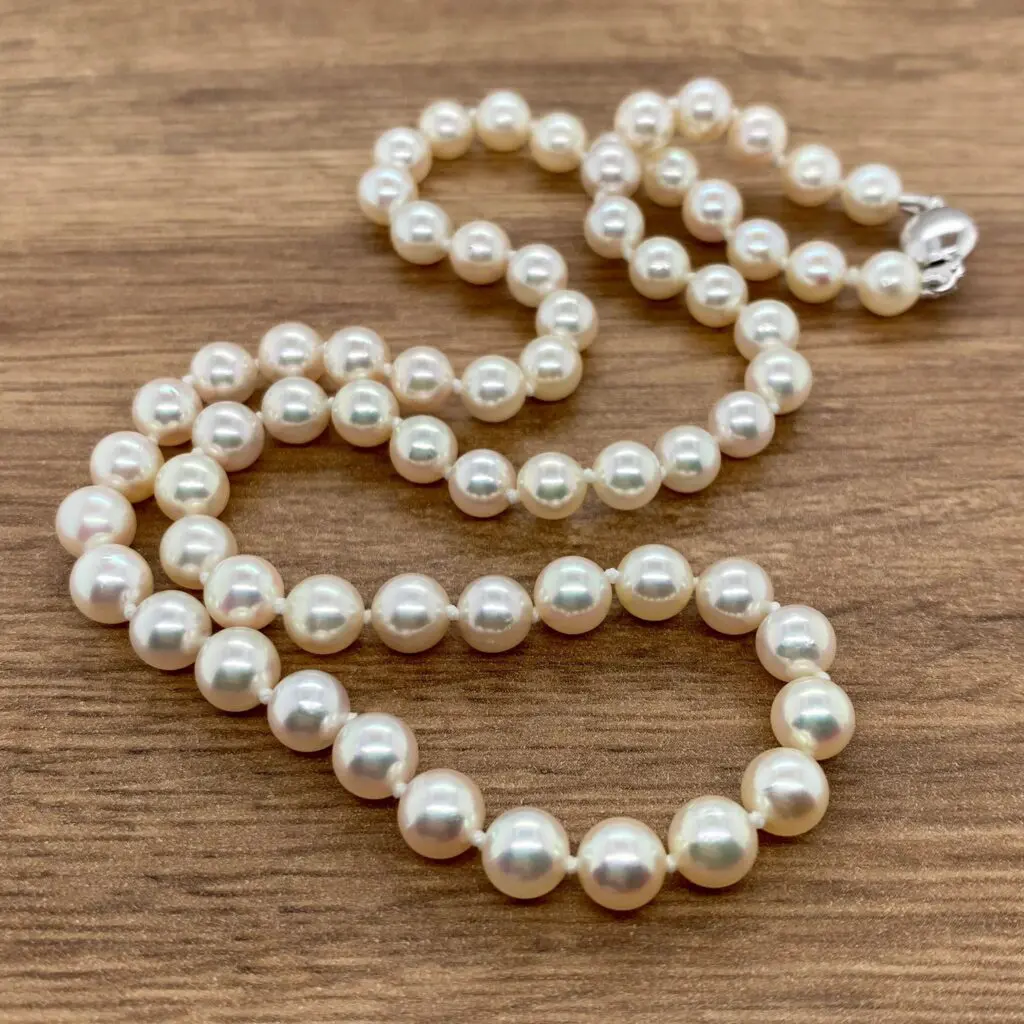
525 853
668 175
405 148
291 350
236 667
373 754
764 324
659 268
230 433
422 379
871 194
535 272
889 283
621 864
570 314
224 372
758 135
423 449
795 641
126 462
243 590
811 174
814 715
613 226
168 629
165 409
558 142
192 484
713 842
655 582
354 353
552 367
295 410
715 295
94 515
410 613
503 121
816 271
421 232
448 127
703 110
439 812
307 710
712 209
690 459
610 167
382 190
192 546
364 413
572 595
495 614
787 788
493 388
627 475
782 377
323 614
645 120
758 249
479 252
480 483
742 424
109 581
551 485
734 595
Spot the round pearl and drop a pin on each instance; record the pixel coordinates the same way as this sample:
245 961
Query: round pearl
758 135
230 433
788 788
421 232
243 590
364 413
551 485
192 484
763 324
168 629
291 350
713 842
493 388
552 367
781 377
811 174
422 378
758 249
813 715
439 812
627 475
534 272
503 121
410 613
613 226
382 190
742 424
572 595
405 148
495 614
94 515
690 459
373 753
192 546
558 142
480 482
109 581
610 167
734 595
570 314
715 295
224 372
448 127
525 853
668 175
307 710
479 252
889 283
165 409
645 120
795 641
659 268
711 209
703 110
323 614
871 194
236 667
127 462
423 449
621 864
354 353
655 582
816 271
295 410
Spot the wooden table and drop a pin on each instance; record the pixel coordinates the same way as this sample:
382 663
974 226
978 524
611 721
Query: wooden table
177 173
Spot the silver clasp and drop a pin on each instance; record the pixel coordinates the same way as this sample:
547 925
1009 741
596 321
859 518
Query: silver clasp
938 238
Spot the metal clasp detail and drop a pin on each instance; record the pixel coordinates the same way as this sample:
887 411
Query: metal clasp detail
938 238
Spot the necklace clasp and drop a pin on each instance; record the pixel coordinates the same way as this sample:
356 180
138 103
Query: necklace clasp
938 238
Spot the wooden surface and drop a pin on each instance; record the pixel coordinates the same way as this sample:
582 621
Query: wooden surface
176 173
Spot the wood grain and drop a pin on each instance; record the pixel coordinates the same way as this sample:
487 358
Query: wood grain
176 173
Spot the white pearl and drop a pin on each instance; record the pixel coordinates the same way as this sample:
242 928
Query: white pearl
448 127
763 324
421 232
243 590
479 252
690 459
168 629
235 667
495 614
423 449
758 249
621 864
405 148
816 271
668 175
552 367
373 753
551 485
192 546
572 595
480 482
570 314
503 121
871 194
889 283
814 715
659 268
558 142
295 410
742 424
787 788
758 135
354 353
165 409
715 295
127 462
535 272
307 710
323 614
525 853
230 433
613 226
439 812
224 372
627 475
795 641
291 350
655 582
364 412
645 120
109 582
610 167
712 209
713 842
734 595
191 484
811 174
94 515
422 379
782 377
382 190
493 388
410 613
703 110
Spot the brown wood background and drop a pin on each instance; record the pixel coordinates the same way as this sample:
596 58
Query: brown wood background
173 173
